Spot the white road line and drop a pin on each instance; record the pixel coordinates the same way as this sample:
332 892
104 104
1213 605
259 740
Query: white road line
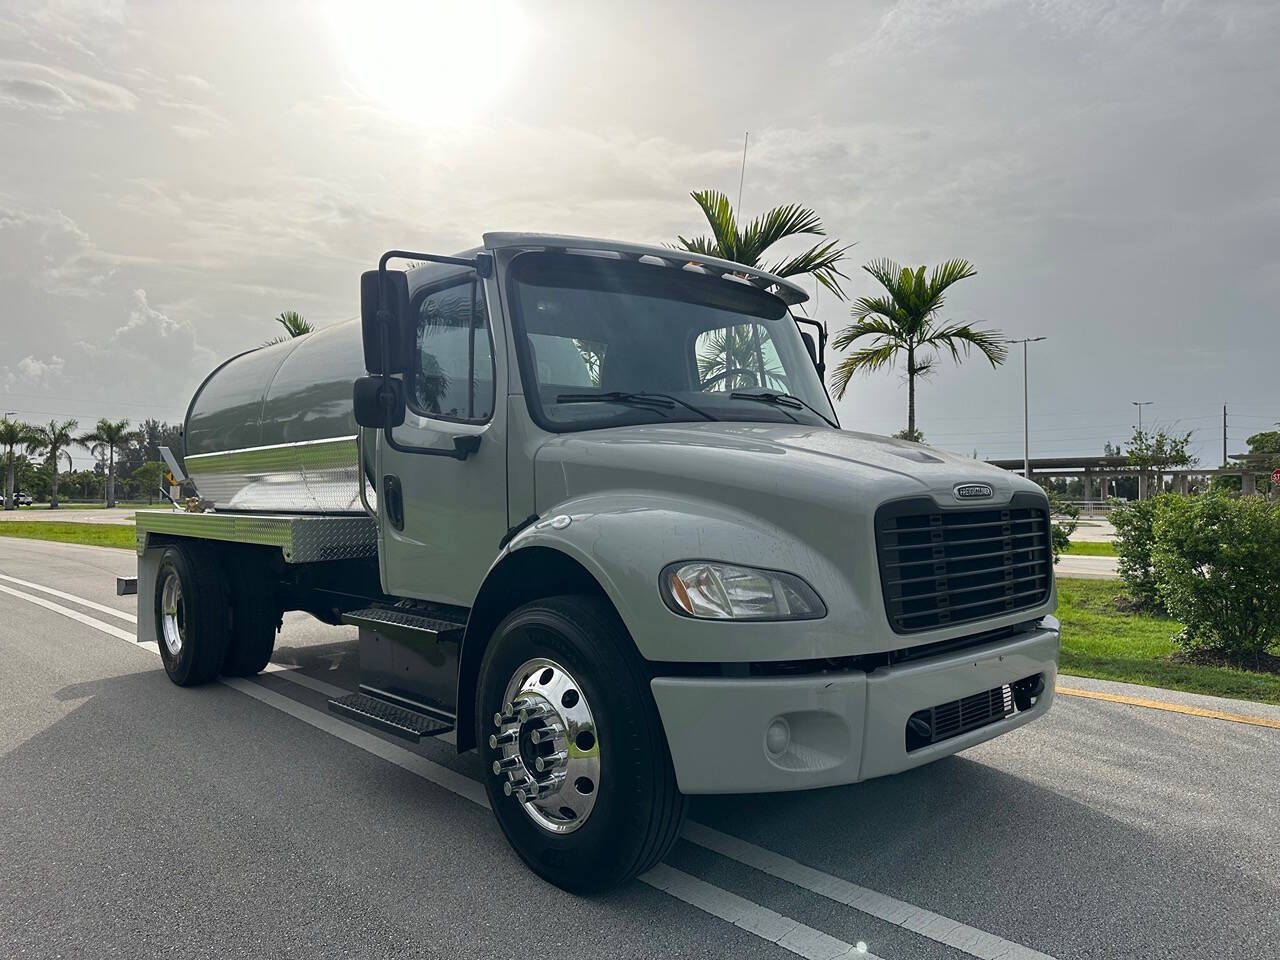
791 935
934 926
84 618
952 933
100 607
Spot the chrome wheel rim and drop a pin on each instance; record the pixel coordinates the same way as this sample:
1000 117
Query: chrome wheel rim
173 614
548 751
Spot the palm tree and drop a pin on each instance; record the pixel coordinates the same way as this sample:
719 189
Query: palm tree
904 320
53 438
109 436
736 357
13 434
294 326
747 245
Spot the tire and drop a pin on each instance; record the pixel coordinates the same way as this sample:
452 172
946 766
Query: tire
200 616
255 617
638 809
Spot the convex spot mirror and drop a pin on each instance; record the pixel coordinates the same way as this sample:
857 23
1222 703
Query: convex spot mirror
378 402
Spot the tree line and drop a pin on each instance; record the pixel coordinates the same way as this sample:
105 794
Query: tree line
127 459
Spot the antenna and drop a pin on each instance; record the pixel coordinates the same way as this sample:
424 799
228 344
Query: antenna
743 174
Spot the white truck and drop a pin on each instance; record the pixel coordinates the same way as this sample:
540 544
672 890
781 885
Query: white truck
590 507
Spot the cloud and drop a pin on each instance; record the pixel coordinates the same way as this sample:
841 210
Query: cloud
187 132
48 89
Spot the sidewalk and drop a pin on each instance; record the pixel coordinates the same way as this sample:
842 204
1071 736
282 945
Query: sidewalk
1090 568
71 514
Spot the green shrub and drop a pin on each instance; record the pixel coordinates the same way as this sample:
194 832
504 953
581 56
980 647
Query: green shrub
1134 539
1217 565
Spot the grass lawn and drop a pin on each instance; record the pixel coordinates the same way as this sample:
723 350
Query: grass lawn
1099 642
94 534
1091 548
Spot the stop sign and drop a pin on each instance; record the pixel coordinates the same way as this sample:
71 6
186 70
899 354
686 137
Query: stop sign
1275 476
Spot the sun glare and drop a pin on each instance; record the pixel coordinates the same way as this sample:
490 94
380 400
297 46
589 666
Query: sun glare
434 63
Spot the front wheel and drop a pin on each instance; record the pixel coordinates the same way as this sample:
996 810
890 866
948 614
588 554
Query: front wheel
579 774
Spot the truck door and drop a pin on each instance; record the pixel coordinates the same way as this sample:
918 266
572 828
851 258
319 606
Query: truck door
442 514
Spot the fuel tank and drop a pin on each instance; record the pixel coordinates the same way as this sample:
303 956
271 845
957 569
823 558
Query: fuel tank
272 430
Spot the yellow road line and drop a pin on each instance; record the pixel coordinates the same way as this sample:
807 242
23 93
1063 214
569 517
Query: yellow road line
1171 707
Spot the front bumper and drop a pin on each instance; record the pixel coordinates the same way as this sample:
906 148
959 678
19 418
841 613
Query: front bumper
841 727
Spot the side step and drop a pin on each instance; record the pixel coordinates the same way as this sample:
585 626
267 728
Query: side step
406 623
388 717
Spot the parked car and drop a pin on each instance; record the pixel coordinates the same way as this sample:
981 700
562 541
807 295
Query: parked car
21 499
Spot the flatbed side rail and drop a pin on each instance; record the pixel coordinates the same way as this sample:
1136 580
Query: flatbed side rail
302 538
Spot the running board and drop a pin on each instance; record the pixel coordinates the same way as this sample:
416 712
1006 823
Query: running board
409 656
388 717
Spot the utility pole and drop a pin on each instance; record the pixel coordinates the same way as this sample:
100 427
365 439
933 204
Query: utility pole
1224 434
1026 408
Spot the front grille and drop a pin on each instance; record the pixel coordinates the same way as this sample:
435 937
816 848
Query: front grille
944 567
948 720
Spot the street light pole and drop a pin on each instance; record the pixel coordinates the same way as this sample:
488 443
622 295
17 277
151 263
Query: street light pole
1026 408
1140 404
1142 477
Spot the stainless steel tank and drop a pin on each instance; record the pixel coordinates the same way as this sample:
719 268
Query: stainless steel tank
272 430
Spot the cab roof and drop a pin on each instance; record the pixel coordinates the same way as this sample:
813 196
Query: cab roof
787 291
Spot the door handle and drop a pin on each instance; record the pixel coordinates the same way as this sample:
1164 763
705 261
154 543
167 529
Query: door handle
393 500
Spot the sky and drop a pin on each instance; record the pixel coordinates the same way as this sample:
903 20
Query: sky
173 175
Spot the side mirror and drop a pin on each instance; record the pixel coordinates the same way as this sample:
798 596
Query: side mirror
398 325
378 402
815 342
810 346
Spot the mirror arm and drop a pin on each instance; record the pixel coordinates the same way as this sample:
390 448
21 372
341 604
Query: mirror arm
463 446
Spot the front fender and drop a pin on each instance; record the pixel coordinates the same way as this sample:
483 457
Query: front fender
624 539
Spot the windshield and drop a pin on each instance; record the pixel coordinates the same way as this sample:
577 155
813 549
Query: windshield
595 334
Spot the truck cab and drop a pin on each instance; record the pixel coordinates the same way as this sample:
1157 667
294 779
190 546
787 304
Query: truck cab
591 508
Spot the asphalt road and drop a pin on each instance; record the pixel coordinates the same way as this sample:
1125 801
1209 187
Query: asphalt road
138 819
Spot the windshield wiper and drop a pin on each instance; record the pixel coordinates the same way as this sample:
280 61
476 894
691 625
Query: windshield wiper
788 400
653 401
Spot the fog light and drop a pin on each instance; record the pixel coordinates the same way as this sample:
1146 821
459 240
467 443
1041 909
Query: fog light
778 737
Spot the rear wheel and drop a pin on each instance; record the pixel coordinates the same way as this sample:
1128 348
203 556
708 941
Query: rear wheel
255 617
580 778
190 614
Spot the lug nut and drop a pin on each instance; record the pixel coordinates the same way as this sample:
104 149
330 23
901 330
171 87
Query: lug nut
509 787
497 740
547 734
551 761
534 711
506 764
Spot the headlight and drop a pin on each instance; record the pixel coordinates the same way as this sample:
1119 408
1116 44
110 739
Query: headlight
722 591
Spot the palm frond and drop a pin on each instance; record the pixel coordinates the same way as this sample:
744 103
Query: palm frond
881 306
875 357
960 337
724 225
820 260
704 245
777 224
886 273
870 325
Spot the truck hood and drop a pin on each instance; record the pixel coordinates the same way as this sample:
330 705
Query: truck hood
727 461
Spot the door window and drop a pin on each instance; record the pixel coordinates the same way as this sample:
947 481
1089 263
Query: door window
453 371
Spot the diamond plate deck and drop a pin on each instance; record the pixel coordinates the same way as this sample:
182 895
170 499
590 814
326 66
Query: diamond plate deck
303 538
